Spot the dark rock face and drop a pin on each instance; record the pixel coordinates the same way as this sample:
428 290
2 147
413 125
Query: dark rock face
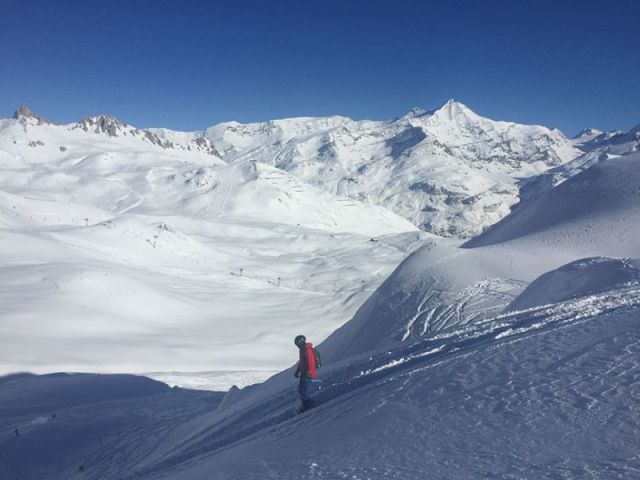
103 124
113 127
206 145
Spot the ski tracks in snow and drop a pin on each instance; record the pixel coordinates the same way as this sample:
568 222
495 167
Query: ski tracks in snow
228 195
492 332
483 299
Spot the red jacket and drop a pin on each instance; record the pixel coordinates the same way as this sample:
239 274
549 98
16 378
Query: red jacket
307 363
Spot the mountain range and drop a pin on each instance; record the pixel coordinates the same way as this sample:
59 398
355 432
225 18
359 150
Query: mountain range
448 171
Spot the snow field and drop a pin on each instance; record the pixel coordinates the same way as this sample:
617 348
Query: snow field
118 255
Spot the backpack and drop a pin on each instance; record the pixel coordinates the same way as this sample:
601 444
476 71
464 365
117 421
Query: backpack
318 359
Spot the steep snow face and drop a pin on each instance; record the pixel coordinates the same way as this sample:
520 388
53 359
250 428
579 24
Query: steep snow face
111 242
448 171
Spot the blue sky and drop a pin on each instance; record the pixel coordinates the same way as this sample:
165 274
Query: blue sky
189 64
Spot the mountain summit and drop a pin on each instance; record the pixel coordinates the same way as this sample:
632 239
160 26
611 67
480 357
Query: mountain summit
453 111
24 115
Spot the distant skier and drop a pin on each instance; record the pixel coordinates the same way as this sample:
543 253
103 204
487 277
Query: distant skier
306 370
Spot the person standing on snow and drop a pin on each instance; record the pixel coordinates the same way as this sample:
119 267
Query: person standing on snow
306 370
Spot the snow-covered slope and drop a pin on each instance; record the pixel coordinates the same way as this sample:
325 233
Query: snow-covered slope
544 394
111 241
429 364
449 171
434 376
87 426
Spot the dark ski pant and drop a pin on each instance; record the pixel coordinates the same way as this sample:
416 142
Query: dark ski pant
304 389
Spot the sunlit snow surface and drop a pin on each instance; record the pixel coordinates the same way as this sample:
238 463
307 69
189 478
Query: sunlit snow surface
515 355
117 255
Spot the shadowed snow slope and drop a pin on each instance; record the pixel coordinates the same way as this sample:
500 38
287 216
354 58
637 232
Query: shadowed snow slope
67 426
547 394
40 394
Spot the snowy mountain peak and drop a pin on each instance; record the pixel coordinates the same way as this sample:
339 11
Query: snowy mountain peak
24 115
415 112
453 110
23 111
587 133
447 112
635 132
616 142
613 133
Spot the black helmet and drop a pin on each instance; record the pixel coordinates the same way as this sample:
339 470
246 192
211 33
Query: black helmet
300 340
